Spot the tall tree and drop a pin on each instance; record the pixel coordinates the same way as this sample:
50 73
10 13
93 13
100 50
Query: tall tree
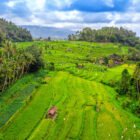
125 82
136 77
1 38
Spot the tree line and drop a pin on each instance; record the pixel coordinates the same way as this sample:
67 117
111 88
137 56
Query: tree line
15 62
129 83
14 33
107 34
130 86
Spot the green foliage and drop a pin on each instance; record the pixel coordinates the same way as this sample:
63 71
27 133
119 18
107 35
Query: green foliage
2 39
125 82
15 62
107 34
134 54
110 63
17 95
13 32
87 106
106 60
138 46
35 58
51 66
125 58
136 77
76 99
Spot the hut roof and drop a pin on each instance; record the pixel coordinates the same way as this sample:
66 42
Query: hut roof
52 110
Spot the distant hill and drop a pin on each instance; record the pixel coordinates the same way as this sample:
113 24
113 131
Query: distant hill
13 32
44 32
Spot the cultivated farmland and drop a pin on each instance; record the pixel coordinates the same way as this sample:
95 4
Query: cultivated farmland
85 97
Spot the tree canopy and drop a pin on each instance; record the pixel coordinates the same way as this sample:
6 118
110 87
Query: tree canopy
15 62
13 32
125 81
136 76
107 34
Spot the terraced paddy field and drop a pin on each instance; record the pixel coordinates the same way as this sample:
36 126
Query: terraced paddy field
87 110
62 52
85 97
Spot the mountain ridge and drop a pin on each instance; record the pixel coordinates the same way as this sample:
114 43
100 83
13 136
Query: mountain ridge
45 31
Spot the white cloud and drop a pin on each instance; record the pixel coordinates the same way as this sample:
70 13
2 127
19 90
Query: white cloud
41 15
76 20
109 3
12 3
34 5
134 6
68 16
135 1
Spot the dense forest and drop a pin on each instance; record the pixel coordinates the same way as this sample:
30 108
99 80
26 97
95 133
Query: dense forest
107 34
13 32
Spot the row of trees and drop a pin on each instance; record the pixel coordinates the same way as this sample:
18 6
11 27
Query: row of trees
15 62
13 32
130 84
107 34
129 87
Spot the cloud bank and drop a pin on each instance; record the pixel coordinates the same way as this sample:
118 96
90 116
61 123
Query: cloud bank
74 14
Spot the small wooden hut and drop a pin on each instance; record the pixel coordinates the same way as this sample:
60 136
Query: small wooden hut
52 113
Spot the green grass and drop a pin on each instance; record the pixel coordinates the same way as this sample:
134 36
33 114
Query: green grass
77 118
57 50
17 95
77 93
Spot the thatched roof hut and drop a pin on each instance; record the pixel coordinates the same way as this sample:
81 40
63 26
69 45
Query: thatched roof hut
52 113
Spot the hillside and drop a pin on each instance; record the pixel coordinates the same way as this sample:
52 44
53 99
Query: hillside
13 32
81 86
77 116
45 32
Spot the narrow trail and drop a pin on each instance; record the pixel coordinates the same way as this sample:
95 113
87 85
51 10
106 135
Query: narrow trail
87 110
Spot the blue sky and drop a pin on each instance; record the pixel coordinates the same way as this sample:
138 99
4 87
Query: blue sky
73 14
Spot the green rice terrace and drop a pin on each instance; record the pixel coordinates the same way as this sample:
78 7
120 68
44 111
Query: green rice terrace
82 90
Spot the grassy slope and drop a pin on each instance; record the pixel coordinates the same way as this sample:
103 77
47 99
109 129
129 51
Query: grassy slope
95 73
77 119
17 95
57 50
75 95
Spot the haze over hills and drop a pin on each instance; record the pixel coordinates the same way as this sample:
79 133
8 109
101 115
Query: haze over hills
44 32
